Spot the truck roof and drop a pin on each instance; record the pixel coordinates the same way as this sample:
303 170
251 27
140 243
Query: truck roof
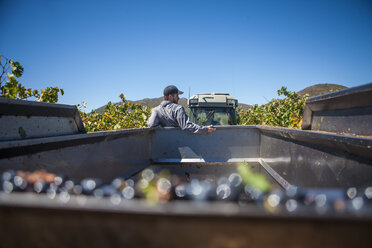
213 99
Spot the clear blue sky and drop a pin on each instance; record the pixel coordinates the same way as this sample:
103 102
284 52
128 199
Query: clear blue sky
96 50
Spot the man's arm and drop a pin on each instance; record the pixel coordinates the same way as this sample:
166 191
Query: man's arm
187 125
153 121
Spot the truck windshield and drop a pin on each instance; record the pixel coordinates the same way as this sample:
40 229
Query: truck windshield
212 116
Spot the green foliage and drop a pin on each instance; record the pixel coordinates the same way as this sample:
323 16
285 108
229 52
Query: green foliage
116 116
255 180
287 112
17 69
50 94
10 87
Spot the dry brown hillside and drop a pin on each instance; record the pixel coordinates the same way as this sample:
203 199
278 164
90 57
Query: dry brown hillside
153 102
320 89
313 90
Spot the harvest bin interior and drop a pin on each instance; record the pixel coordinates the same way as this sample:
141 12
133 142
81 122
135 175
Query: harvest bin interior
304 158
287 157
36 136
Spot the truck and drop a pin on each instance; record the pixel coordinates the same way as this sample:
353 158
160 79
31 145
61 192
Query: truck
213 109
321 179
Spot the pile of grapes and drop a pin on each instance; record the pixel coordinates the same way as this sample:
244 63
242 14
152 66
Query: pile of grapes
156 185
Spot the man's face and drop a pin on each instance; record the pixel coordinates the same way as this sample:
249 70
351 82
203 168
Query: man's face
174 98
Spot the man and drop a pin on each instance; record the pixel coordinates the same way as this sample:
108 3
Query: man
170 114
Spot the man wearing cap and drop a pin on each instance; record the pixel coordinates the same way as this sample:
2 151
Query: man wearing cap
170 114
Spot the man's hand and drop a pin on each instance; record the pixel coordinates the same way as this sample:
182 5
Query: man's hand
211 129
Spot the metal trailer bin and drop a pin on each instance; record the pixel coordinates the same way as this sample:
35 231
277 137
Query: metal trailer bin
287 157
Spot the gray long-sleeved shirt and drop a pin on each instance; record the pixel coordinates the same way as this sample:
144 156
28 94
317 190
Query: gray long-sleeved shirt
169 114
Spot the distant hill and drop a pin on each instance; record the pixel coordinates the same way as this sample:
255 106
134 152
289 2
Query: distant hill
153 102
150 102
314 90
243 105
320 89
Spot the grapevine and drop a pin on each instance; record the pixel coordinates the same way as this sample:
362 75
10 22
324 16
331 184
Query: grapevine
116 116
287 112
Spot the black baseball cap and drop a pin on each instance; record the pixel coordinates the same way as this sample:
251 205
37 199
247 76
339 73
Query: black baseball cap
171 89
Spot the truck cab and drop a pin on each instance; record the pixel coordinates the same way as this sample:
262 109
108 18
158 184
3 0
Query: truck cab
213 109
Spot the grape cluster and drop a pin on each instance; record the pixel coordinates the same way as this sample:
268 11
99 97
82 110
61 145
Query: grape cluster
157 185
